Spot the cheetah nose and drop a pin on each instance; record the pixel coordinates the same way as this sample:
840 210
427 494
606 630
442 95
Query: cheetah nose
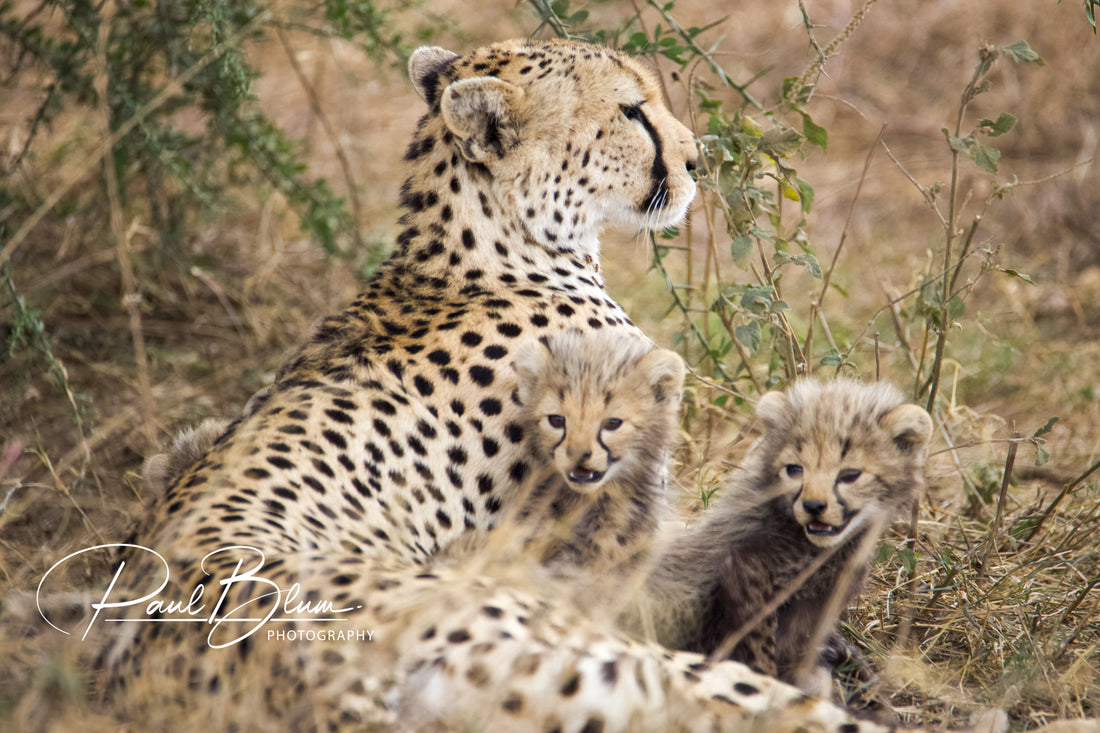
813 507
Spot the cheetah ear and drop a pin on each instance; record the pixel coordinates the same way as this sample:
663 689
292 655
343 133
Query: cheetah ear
425 66
529 364
664 372
482 113
771 409
910 427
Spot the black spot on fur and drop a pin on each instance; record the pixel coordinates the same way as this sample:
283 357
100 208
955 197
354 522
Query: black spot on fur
458 636
571 685
745 688
481 375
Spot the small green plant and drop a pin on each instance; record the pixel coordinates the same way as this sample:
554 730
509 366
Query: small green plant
743 332
1090 12
139 75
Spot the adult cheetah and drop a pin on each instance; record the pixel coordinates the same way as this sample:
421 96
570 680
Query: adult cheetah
397 428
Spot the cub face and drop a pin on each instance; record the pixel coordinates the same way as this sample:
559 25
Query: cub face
598 406
842 452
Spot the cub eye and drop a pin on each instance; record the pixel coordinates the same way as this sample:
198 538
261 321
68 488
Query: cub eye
848 475
792 470
612 423
632 112
556 421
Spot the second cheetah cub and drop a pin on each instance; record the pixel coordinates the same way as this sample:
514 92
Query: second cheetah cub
765 574
602 418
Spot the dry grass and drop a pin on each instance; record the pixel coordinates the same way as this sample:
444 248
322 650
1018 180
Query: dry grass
997 614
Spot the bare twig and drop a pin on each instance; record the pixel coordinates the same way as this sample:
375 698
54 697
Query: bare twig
1058 499
815 307
338 147
995 528
809 26
986 57
689 41
131 293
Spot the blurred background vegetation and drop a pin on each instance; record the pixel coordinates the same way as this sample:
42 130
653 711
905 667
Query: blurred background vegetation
905 190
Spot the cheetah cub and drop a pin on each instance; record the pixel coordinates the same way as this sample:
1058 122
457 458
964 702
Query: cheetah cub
763 578
602 412
190 446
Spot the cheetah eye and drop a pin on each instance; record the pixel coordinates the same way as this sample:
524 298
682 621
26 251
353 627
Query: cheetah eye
632 112
556 421
612 423
792 470
848 475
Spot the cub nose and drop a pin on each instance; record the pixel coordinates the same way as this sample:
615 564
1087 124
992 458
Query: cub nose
583 457
813 507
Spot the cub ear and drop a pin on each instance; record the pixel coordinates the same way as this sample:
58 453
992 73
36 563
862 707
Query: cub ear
771 407
483 114
425 66
910 428
529 363
663 371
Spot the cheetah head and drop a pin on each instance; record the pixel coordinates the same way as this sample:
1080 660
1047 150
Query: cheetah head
572 135
598 407
843 453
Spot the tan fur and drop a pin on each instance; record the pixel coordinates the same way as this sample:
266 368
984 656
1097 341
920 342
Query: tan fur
394 430
854 454
191 444
603 416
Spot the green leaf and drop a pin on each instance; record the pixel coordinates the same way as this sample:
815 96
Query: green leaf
806 260
815 134
985 158
1020 52
781 142
751 127
757 299
1042 455
1015 273
908 559
749 335
1046 428
805 194
955 308
740 249
1003 124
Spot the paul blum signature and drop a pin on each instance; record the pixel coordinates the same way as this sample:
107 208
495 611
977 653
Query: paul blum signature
220 618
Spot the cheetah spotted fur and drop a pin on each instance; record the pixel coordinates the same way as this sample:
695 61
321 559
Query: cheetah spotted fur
398 427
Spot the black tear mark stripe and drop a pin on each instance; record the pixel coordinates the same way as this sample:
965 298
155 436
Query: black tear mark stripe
658 173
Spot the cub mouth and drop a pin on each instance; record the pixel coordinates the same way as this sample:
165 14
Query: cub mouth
585 476
820 529
815 528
